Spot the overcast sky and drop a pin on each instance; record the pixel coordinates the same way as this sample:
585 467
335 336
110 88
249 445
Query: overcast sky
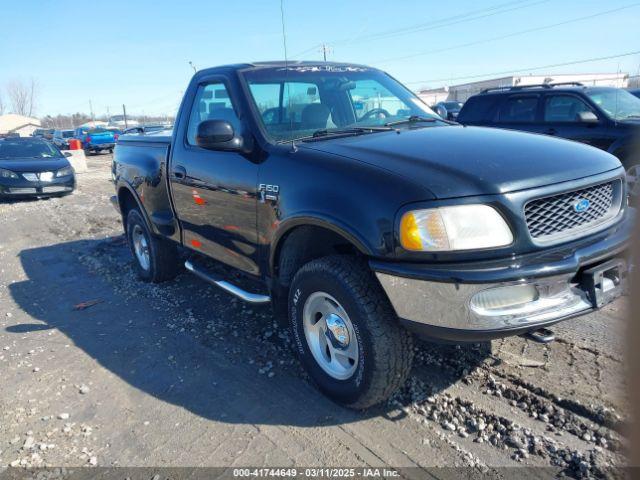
137 51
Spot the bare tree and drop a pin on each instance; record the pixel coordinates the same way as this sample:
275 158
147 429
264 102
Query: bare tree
1 104
23 96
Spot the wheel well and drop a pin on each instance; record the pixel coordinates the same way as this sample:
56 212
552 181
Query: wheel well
303 244
127 202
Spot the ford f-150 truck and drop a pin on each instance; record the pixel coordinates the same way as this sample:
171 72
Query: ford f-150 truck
365 218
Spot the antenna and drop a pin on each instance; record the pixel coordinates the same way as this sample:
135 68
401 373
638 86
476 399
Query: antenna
324 49
615 116
286 74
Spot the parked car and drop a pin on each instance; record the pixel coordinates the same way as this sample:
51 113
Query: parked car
61 138
96 139
38 132
448 110
33 167
48 134
147 129
603 117
363 224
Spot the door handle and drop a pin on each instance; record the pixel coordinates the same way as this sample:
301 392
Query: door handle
551 131
179 172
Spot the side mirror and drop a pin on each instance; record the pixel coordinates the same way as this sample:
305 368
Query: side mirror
217 135
442 111
67 154
587 117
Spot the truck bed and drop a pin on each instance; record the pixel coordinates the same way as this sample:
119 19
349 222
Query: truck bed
160 137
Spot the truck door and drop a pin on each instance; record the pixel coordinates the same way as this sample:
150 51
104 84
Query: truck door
561 119
214 192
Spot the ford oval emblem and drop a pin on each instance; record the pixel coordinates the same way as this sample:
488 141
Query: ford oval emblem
582 205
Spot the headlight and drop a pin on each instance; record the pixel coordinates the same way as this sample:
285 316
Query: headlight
63 172
461 227
7 174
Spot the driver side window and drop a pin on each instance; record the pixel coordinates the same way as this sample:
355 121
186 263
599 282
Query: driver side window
212 102
369 95
564 108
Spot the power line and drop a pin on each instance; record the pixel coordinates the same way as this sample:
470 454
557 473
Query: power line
507 72
509 35
434 24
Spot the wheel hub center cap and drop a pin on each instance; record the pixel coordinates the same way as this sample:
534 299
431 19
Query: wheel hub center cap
337 331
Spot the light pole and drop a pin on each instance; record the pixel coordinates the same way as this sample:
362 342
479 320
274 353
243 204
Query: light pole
192 66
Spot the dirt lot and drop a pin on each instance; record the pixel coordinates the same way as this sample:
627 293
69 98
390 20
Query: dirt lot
182 374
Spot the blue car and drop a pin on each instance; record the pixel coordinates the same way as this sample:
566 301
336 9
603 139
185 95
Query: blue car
96 139
32 167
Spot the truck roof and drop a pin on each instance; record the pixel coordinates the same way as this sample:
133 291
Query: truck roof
279 63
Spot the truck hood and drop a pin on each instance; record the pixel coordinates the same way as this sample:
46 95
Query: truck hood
457 161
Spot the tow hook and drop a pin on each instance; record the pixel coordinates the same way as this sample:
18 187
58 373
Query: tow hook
542 335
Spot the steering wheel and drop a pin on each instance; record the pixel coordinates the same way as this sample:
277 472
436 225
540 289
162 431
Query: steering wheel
375 111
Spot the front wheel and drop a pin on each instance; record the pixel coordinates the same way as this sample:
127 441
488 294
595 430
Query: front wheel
156 259
346 333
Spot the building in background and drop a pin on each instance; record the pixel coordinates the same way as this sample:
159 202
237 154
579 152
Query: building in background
23 126
463 91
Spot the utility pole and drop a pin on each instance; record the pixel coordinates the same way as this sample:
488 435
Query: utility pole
324 48
91 111
124 112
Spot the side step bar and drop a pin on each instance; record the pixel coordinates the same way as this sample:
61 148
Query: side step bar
226 286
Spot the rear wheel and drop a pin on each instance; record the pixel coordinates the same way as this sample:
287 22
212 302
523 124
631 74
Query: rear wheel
156 259
346 333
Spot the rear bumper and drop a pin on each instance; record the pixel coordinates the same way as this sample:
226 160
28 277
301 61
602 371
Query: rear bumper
116 204
101 146
489 300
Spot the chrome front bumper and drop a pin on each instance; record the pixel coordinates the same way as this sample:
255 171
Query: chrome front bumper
452 306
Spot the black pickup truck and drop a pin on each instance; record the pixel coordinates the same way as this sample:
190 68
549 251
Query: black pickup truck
365 218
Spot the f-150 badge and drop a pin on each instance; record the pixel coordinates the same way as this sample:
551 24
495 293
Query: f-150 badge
268 192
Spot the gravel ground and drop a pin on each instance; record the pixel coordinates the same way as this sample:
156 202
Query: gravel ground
182 374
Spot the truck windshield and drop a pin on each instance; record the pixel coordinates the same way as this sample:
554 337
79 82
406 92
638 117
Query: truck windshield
618 104
300 100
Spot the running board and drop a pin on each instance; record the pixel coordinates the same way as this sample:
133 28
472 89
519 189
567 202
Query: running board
226 286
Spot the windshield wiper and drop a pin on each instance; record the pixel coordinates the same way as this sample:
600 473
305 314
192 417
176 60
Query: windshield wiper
419 119
331 132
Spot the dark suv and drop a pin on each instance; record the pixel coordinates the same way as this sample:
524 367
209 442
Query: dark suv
604 117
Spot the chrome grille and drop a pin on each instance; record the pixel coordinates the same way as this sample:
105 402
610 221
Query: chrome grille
553 217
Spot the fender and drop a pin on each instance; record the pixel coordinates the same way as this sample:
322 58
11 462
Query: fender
124 184
621 147
317 220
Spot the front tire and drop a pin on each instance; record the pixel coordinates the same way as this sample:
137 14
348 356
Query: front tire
346 332
156 259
